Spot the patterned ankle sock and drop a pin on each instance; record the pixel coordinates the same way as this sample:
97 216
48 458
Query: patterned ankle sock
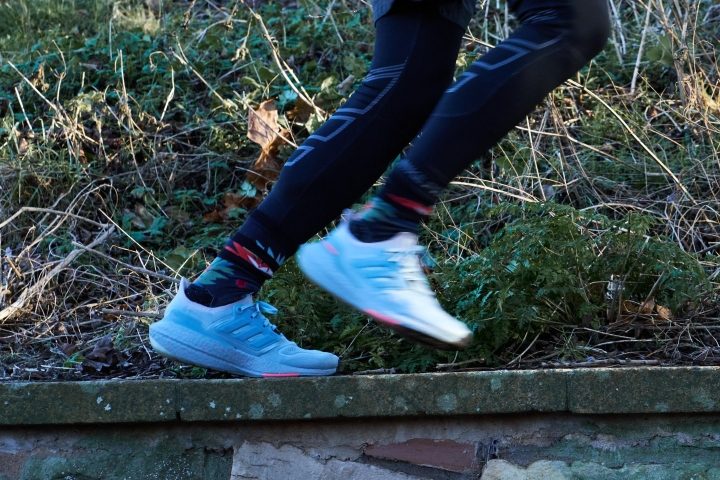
382 219
404 201
224 282
241 268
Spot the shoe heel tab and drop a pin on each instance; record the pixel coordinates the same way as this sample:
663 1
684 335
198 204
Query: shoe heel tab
180 294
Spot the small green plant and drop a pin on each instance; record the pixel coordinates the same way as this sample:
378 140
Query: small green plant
551 265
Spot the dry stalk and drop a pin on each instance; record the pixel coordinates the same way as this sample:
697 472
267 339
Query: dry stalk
650 152
38 287
641 47
133 268
293 82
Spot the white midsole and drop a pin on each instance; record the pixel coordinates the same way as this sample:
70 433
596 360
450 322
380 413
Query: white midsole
334 282
188 346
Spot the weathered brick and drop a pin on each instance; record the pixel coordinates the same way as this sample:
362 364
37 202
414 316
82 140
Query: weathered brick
257 460
445 454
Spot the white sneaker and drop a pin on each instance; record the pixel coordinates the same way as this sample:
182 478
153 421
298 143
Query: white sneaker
235 338
384 280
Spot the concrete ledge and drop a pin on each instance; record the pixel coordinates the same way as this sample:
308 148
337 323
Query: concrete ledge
585 391
56 403
645 390
373 396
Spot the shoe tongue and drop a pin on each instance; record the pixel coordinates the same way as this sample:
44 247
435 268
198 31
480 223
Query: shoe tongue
404 241
246 301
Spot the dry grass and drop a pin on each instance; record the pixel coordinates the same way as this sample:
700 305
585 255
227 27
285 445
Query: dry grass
108 152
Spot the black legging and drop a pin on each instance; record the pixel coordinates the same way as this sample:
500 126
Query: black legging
414 60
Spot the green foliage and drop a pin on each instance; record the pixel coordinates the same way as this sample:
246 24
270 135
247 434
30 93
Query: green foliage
148 125
548 266
551 264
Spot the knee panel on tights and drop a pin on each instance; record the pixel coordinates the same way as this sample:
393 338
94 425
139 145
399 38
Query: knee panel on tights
420 93
590 27
377 85
584 25
554 40
571 32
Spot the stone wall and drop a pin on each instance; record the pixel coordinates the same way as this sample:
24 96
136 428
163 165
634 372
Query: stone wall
527 446
622 424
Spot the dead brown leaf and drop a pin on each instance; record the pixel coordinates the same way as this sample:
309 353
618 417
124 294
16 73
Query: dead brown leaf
266 167
230 202
645 308
628 306
213 217
102 355
300 112
263 125
23 146
263 129
648 306
664 312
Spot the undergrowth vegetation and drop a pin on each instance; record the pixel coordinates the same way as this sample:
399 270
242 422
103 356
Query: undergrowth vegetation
589 236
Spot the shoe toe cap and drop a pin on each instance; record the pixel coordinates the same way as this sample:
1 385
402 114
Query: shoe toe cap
310 359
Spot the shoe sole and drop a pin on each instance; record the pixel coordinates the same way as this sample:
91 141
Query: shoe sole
187 346
313 266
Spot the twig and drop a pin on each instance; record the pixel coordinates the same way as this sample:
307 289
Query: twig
675 327
367 324
600 363
285 68
482 186
519 357
637 139
709 249
622 122
130 237
26 80
636 71
185 62
127 265
130 313
22 108
619 29
18 305
51 211
443 366
170 96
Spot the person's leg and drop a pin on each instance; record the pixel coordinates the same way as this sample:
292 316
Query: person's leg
214 322
555 39
371 262
415 52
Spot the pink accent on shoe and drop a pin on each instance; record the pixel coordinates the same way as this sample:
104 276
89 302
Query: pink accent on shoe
329 247
382 318
412 205
280 375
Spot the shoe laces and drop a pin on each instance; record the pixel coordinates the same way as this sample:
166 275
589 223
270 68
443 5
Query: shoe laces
262 309
348 214
410 268
410 259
